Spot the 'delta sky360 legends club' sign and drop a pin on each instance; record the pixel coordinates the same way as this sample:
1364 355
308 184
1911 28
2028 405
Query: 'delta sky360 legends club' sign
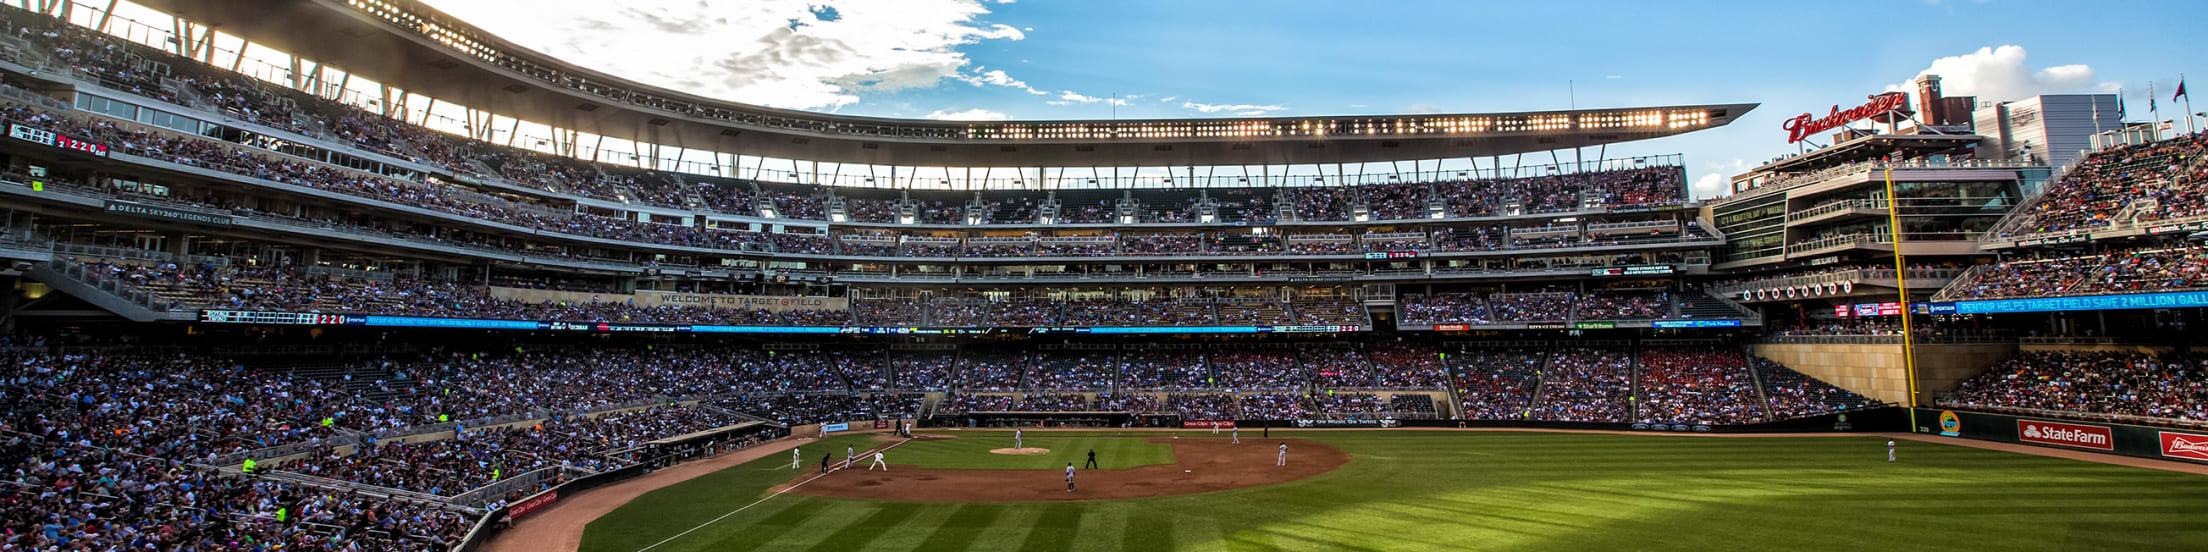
1805 125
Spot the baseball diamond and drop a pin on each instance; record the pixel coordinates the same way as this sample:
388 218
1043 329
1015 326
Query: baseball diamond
1064 275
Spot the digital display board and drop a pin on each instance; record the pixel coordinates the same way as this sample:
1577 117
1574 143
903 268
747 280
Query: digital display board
1392 255
2173 300
312 319
1644 270
1696 324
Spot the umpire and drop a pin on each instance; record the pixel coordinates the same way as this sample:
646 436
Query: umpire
1092 460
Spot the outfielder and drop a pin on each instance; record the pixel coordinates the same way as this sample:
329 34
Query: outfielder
878 462
1238 435
1889 450
1283 461
796 458
1069 477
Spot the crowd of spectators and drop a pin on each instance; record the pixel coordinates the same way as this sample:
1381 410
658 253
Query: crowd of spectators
1497 383
1698 386
1585 384
2138 269
1796 395
2102 385
2163 180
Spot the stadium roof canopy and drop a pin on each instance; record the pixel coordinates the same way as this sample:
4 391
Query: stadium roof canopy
407 45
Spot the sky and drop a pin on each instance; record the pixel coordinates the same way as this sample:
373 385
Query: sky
1065 59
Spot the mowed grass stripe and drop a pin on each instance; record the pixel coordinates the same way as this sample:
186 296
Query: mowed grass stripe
1516 491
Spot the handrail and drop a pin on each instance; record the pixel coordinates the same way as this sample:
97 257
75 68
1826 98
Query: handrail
1947 400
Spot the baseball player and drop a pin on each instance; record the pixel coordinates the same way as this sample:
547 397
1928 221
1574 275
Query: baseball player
796 458
1889 450
1069 477
1238 435
878 462
1092 460
1215 429
1016 439
847 457
1283 461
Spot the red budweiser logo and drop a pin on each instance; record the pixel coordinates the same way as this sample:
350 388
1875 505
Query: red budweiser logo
2185 445
1803 126
2069 435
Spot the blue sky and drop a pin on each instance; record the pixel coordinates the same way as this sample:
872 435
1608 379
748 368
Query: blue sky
1036 59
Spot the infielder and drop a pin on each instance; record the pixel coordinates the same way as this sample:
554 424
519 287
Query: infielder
1889 450
1283 461
1238 435
847 457
1069 477
796 458
878 462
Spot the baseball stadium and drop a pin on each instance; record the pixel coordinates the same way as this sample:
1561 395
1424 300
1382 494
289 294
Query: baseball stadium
364 275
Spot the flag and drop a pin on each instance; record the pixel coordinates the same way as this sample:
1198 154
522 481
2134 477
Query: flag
2180 90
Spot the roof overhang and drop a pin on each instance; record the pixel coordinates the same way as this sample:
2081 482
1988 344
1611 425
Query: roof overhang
375 45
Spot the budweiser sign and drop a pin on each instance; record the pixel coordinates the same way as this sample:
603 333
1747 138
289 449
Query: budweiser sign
2185 445
2068 435
1805 125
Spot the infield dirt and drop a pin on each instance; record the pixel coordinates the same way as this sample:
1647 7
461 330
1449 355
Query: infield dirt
1199 465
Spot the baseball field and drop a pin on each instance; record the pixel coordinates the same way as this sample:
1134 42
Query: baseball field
1411 490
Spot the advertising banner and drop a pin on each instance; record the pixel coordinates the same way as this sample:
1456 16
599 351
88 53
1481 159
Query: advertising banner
2186 446
2065 434
832 428
1207 424
533 504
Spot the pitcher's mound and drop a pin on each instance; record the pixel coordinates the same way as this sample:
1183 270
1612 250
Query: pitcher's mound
1028 450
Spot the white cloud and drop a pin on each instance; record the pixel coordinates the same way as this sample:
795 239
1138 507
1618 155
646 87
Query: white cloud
783 53
1612 77
1235 109
997 77
1169 98
975 114
2001 74
1718 182
1071 97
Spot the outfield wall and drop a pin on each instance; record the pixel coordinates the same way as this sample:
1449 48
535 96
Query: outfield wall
1878 371
2102 437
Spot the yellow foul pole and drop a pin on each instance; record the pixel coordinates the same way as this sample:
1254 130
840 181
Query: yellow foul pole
1901 285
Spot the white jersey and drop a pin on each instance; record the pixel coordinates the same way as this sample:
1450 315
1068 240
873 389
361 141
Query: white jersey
1069 473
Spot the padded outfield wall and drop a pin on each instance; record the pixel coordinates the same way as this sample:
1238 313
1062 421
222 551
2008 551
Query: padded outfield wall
2158 443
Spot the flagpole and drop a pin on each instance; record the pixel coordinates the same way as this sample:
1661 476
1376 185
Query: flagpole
2154 110
2188 103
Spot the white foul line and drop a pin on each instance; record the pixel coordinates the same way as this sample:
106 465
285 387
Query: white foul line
831 469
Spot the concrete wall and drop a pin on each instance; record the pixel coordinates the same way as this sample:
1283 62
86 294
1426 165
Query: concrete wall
1878 372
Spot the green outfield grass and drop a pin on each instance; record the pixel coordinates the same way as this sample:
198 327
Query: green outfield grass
1486 491
971 451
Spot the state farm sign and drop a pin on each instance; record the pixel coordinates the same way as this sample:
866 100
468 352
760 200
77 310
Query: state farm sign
2068 435
2185 445
1803 126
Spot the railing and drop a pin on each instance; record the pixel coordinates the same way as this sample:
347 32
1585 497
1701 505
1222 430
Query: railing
1920 338
1955 286
525 482
125 253
1834 207
1947 400
1813 177
85 274
1857 275
1836 241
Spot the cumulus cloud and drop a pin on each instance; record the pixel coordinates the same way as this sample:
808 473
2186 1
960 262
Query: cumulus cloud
1069 97
1245 110
975 114
2001 73
1718 181
784 53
